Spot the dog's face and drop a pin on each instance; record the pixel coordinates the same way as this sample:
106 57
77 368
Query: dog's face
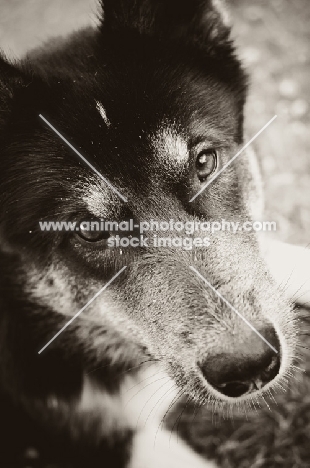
155 102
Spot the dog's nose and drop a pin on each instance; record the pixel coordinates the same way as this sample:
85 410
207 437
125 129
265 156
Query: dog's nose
248 366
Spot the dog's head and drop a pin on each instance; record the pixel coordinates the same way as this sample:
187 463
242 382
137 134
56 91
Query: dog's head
154 101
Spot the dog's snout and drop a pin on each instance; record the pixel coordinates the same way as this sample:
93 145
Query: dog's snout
248 366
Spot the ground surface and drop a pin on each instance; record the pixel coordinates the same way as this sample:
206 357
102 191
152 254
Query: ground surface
274 39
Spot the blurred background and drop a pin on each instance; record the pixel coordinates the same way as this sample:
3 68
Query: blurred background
274 42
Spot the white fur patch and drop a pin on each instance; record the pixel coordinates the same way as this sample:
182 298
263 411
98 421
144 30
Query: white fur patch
141 405
141 402
98 200
165 450
147 397
103 113
168 142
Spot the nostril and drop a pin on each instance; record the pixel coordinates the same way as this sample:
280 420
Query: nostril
247 367
234 389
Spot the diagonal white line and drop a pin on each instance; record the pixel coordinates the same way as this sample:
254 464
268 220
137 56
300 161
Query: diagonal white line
84 159
82 310
235 310
232 160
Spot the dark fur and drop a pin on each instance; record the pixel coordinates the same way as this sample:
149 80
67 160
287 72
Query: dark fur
149 62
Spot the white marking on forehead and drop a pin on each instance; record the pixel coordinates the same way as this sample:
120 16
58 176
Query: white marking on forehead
168 142
103 113
99 201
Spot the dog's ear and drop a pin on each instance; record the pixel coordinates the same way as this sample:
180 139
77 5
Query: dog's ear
198 21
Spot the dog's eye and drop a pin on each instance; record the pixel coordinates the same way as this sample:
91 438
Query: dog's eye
92 235
206 163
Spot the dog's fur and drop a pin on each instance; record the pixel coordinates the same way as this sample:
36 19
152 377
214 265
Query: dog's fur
139 97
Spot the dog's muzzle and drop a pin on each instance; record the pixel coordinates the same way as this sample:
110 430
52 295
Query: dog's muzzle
249 365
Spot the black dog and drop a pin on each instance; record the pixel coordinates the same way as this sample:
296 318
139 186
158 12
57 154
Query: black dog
154 101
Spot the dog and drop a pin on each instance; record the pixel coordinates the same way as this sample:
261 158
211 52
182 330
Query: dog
153 98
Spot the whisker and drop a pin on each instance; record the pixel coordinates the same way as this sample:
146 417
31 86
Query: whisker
141 389
149 399
196 406
297 291
283 288
158 401
175 399
303 294
146 378
178 420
